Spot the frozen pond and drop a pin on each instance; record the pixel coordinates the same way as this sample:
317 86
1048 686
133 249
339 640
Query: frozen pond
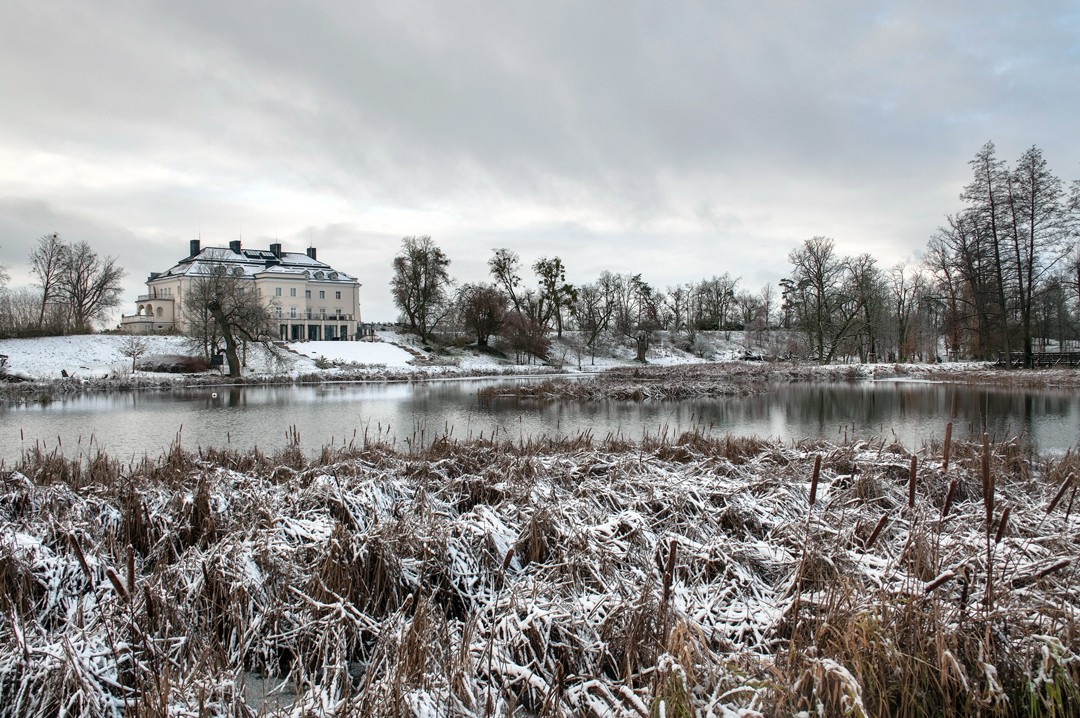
134 424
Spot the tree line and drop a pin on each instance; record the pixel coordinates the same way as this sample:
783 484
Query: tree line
74 287
1001 276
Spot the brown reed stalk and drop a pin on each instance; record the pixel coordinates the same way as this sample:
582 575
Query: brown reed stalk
1002 523
877 531
988 505
148 597
950 496
912 474
945 449
814 479
987 483
82 558
1060 492
117 584
1026 579
131 569
937 582
665 594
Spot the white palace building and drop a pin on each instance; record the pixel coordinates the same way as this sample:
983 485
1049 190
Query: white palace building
310 299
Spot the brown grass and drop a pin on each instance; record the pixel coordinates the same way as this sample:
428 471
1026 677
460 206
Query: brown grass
557 577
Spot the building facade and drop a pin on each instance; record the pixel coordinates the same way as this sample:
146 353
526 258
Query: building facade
309 299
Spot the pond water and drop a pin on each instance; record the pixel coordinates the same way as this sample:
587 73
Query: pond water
134 424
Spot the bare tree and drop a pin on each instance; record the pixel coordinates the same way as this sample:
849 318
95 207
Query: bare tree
505 266
1038 229
421 284
134 346
18 309
593 309
824 296
526 336
987 197
225 309
556 294
48 260
637 311
677 301
768 304
89 284
713 300
482 309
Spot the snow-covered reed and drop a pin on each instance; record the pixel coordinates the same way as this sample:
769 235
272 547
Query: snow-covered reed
675 577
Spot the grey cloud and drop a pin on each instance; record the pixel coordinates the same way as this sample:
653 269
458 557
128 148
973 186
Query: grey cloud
591 128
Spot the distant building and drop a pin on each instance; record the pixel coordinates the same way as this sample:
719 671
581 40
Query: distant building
310 299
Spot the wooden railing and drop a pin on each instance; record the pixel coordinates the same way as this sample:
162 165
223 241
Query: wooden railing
1040 359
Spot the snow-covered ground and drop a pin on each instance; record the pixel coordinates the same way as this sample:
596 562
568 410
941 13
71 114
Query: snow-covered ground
102 355
91 355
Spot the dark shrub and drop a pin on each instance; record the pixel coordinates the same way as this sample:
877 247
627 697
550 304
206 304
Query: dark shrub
174 364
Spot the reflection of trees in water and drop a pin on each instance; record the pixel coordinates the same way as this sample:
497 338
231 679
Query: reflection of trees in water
917 410
246 416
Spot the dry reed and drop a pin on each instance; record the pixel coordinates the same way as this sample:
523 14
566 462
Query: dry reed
563 577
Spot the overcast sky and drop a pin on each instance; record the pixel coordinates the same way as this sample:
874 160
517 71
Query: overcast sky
675 139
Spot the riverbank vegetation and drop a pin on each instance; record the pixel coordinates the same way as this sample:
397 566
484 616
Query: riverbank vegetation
673 576
1000 278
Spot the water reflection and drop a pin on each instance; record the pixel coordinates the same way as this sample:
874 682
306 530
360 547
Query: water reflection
147 423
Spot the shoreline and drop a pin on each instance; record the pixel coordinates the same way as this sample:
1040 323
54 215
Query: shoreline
622 381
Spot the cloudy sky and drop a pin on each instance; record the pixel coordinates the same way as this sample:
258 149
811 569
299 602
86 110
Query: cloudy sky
675 139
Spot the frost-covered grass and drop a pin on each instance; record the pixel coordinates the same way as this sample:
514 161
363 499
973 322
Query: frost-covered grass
688 576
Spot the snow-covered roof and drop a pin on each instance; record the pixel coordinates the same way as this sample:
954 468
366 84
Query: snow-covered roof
256 263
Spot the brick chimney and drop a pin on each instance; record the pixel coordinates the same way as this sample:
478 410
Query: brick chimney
235 245
311 252
275 249
194 248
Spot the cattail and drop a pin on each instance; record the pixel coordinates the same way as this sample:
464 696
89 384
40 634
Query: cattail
149 598
937 582
1068 509
131 568
814 479
949 497
1060 492
1002 524
507 559
912 473
877 530
948 443
988 483
82 558
669 569
117 584
1056 566
1041 573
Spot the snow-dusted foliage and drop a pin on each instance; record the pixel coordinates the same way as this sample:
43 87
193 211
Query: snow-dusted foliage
705 577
